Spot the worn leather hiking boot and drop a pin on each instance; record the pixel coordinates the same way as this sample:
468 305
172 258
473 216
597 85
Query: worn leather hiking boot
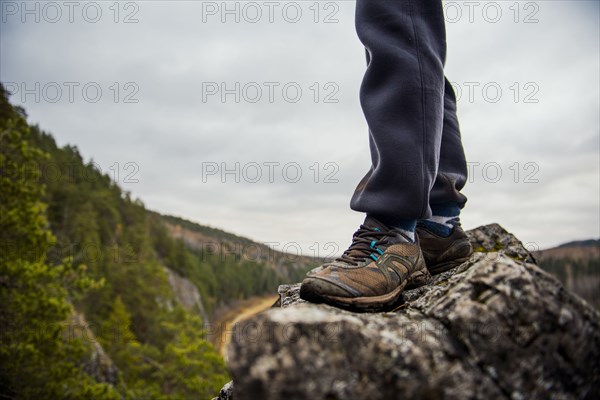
444 253
371 274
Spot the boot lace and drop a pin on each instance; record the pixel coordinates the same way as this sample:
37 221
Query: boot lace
365 242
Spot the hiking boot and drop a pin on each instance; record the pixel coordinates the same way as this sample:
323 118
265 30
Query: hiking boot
371 274
444 253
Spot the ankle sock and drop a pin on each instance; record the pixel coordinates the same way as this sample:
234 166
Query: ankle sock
405 226
443 220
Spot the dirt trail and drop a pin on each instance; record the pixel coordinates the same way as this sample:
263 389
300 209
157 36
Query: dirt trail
245 310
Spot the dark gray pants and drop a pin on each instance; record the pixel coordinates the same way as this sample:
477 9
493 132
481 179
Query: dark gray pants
417 156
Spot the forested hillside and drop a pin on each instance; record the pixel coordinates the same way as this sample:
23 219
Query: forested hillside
216 258
87 306
577 265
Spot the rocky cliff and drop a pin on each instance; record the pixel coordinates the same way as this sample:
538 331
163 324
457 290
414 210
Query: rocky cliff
186 294
495 327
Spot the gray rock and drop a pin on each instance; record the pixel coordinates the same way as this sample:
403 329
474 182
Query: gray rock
97 363
186 293
495 327
100 367
226 392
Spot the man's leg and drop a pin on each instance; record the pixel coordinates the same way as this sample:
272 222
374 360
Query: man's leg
445 197
443 242
402 96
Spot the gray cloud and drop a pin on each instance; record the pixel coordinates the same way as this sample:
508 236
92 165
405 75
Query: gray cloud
171 133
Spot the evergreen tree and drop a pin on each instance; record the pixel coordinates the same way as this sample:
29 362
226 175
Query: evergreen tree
37 360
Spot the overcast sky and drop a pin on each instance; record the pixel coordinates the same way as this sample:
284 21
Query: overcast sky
191 90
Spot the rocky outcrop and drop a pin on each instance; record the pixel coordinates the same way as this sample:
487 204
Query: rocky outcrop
495 327
97 363
100 367
186 293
